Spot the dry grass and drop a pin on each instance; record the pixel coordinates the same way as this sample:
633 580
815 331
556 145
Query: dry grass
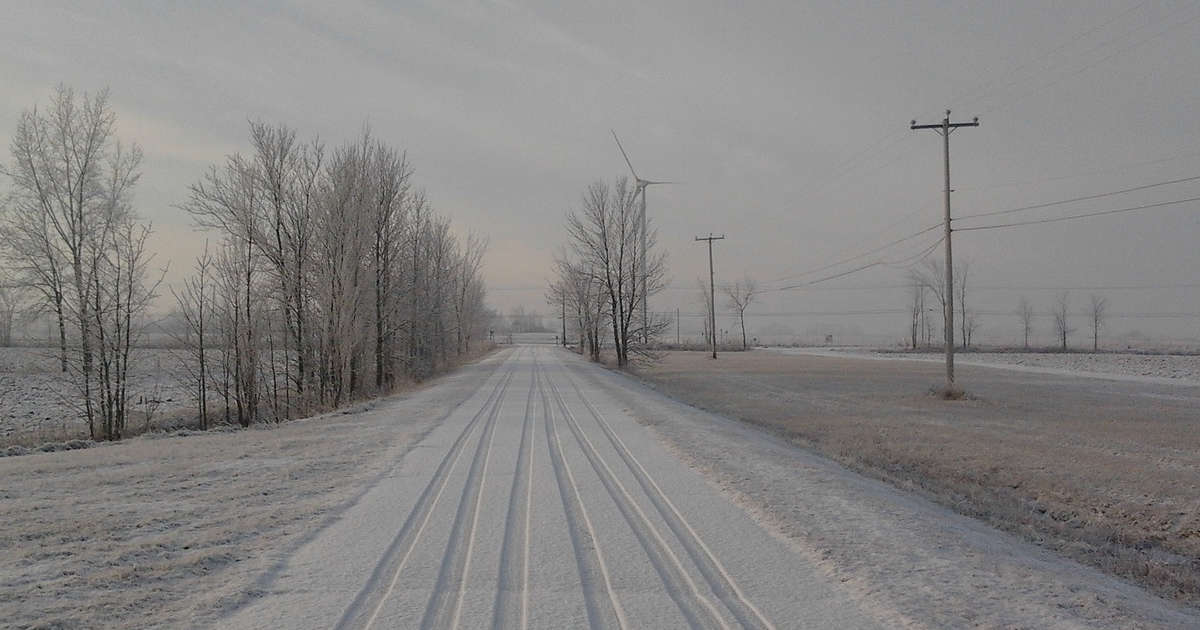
1101 471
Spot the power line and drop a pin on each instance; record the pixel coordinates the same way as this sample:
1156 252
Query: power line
1173 24
1078 216
988 88
1101 171
910 260
862 255
1076 199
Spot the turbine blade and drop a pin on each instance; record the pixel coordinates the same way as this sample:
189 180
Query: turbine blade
624 155
650 182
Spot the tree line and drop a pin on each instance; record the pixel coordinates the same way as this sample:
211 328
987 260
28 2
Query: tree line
928 290
329 276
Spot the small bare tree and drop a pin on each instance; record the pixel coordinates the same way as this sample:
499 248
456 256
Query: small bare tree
916 307
1062 315
1098 313
1025 314
968 320
706 300
14 307
194 301
739 295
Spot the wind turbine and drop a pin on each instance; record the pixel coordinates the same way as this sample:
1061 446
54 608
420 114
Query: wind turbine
640 189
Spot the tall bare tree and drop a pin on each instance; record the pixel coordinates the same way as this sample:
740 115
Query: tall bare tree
70 233
604 235
1098 313
740 295
1062 317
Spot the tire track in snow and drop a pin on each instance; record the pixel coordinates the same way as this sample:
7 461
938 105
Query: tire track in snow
699 611
603 608
445 604
710 567
365 608
512 590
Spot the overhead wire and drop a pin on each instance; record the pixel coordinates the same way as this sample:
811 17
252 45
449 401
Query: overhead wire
1083 215
990 87
1075 199
1109 169
864 254
910 260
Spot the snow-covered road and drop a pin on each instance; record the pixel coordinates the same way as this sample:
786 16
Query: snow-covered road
541 503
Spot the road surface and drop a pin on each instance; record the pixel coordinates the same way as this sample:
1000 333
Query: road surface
539 502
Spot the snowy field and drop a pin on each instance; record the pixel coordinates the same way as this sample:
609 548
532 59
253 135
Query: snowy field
38 401
1156 367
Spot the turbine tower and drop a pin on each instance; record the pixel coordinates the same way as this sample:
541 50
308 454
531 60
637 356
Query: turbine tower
640 189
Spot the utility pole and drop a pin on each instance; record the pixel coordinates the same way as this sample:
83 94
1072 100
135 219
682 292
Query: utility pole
945 128
564 317
712 290
676 326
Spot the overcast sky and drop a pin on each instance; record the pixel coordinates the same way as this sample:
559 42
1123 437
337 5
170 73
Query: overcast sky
785 122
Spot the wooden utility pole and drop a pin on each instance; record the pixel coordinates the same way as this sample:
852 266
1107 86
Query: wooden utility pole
712 290
945 128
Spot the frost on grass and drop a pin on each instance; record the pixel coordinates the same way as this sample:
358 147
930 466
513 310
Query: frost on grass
172 531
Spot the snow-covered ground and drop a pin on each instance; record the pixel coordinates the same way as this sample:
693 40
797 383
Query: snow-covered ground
38 399
1156 367
531 490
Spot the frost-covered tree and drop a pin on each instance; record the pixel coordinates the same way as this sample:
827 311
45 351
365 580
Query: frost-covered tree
69 232
1062 318
334 280
740 295
603 234
1025 314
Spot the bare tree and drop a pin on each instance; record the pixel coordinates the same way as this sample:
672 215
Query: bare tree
1062 315
916 306
468 290
931 275
332 271
123 291
740 294
604 235
705 298
193 301
1025 314
971 325
1098 314
968 320
15 306
70 234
